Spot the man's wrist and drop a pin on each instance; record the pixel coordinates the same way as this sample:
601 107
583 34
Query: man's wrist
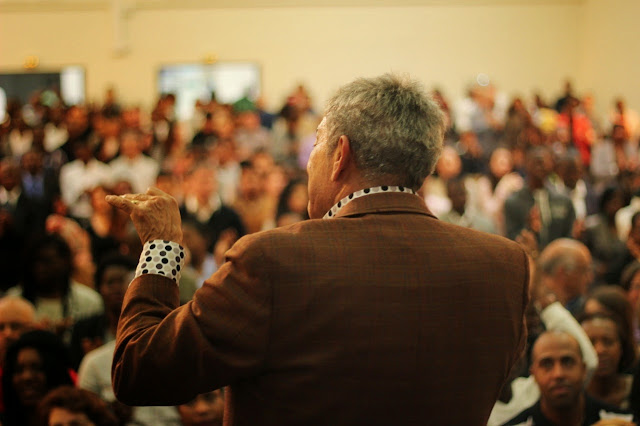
161 257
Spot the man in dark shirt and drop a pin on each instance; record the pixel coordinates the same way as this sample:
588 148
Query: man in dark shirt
560 371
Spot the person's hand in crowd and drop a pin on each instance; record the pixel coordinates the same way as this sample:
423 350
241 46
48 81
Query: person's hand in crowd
227 238
529 243
543 297
155 214
80 244
578 230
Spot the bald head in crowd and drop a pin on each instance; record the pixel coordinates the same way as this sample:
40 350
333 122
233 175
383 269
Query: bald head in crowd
559 370
17 315
565 268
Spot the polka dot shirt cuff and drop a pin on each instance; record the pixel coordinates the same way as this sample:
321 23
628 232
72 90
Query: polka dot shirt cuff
160 257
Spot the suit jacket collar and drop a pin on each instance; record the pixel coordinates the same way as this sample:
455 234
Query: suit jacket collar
385 202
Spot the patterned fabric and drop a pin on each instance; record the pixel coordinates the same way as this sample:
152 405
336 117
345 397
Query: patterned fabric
376 189
161 257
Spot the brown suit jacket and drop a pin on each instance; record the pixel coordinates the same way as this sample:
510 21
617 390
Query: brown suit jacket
383 315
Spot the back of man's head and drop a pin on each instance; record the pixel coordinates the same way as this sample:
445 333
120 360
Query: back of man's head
565 265
394 127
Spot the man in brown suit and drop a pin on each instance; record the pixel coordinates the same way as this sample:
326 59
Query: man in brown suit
371 313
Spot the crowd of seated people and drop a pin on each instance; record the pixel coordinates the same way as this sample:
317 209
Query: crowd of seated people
555 177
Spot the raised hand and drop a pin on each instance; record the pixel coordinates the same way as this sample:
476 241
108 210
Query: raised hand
155 214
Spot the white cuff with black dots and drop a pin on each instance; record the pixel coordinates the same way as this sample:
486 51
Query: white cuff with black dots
161 257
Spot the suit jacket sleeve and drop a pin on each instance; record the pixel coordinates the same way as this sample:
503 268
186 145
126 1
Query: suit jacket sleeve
166 354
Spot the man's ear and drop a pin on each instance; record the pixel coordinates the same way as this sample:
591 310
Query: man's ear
342 157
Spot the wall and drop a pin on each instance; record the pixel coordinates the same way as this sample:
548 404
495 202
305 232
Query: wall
522 47
610 57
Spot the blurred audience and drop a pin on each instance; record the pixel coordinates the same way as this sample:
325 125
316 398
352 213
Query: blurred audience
35 364
93 342
59 301
292 203
563 182
70 406
206 409
132 165
630 282
17 316
565 269
615 355
79 177
114 273
463 213
523 392
202 203
537 207
600 235
559 370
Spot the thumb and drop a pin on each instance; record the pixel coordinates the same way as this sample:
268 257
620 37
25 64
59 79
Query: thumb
152 190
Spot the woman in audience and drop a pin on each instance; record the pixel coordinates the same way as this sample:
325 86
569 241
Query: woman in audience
630 282
492 190
601 237
67 405
101 225
292 205
36 363
47 283
633 241
78 241
202 263
612 301
615 355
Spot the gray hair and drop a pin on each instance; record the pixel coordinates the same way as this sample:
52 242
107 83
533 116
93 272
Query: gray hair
563 253
394 128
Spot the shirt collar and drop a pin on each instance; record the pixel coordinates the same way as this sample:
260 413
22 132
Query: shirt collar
202 212
361 193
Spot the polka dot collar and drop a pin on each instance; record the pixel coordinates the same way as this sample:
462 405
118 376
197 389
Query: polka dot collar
361 193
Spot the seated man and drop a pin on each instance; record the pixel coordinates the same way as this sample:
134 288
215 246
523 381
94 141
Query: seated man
537 207
461 213
565 269
559 370
523 392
